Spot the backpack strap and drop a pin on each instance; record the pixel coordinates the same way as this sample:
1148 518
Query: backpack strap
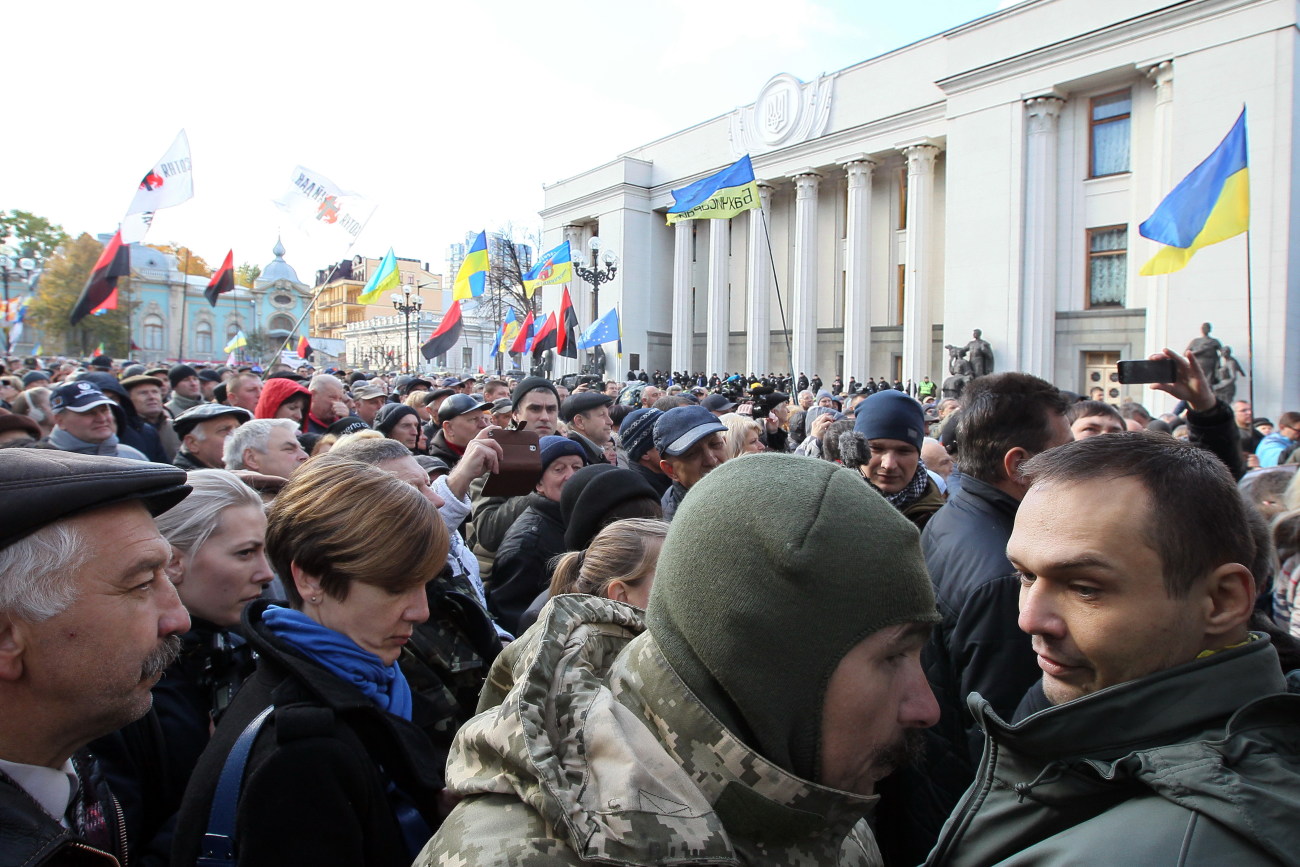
218 848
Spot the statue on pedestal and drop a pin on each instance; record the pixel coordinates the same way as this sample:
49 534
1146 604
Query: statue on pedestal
1205 349
968 362
1225 381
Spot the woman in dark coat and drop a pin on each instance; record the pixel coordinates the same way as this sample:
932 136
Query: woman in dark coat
341 770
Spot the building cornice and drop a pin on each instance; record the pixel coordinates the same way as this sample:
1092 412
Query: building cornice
1151 23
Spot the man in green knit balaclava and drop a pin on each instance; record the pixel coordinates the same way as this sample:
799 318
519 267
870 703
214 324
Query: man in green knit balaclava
798 620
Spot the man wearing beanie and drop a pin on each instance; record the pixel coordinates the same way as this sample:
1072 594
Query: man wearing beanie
186 389
885 447
747 720
636 437
522 568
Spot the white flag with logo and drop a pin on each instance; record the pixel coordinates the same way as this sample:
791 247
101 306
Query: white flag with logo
169 182
321 209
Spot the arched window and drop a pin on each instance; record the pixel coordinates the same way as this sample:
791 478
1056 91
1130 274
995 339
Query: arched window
203 338
279 325
153 332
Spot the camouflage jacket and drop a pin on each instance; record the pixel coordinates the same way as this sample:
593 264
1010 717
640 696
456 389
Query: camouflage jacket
599 754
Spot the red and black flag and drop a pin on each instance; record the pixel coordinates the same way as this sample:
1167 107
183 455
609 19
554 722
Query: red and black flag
525 335
101 289
446 336
545 338
304 348
567 344
223 281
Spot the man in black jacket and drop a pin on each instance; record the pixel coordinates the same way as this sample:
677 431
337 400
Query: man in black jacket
88 623
1007 418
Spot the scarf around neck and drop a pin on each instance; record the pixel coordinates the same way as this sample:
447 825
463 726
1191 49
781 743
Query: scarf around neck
385 685
914 491
67 442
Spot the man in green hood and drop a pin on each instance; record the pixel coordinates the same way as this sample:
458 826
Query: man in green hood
774 680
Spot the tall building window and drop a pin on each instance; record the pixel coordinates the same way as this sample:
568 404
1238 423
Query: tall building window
1110 123
467 358
1107 266
203 338
153 332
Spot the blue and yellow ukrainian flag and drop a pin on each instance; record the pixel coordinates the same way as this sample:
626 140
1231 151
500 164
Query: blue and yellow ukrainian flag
717 197
555 266
236 342
1210 205
385 279
471 279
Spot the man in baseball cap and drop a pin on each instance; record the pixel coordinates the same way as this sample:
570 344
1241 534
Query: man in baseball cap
84 422
690 444
460 418
88 623
370 397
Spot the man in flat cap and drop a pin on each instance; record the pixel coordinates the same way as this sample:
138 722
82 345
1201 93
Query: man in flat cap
84 422
203 431
88 623
587 415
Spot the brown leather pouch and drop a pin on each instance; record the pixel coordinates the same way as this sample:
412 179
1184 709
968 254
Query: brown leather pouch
520 466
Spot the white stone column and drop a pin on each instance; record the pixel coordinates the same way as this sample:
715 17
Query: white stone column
857 269
719 325
683 316
916 274
758 318
1157 302
803 295
1040 253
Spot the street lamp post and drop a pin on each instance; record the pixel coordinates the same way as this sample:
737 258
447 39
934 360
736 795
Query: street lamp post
595 275
406 302
24 269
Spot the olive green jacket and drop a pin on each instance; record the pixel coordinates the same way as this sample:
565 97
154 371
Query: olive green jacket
599 754
1195 765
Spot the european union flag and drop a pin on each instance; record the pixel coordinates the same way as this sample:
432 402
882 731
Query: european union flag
603 330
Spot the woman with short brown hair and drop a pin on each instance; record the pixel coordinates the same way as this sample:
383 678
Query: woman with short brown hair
342 751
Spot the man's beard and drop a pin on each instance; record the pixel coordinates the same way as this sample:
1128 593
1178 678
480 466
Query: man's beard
907 750
167 652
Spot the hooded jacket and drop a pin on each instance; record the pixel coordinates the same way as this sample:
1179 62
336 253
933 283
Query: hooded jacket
597 753
1198 764
275 392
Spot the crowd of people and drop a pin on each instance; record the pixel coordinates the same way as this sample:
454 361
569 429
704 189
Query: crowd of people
298 617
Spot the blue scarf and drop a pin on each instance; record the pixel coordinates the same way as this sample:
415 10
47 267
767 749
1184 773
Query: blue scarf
385 685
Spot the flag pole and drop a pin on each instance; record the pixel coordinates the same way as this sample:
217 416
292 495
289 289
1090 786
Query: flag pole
1250 327
789 353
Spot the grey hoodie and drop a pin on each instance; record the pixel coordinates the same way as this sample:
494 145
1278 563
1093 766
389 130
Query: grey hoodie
1198 764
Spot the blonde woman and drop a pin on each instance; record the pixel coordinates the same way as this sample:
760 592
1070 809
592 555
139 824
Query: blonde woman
619 564
742 436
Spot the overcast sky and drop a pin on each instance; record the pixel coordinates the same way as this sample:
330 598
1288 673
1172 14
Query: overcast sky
450 116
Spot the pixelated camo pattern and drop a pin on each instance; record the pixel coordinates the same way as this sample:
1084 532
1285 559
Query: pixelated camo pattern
598 754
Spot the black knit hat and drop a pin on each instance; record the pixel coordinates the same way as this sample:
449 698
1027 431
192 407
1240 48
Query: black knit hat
390 414
637 432
532 383
179 372
590 494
